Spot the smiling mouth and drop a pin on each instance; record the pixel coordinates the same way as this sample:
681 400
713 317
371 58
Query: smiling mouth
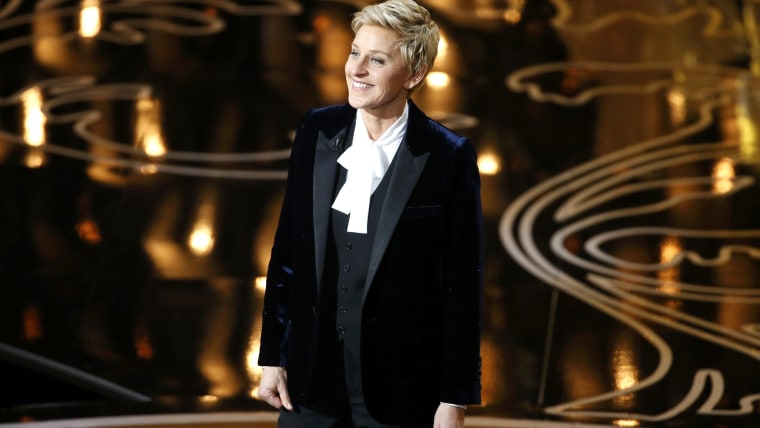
359 85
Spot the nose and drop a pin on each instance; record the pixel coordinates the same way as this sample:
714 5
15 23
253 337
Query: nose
357 66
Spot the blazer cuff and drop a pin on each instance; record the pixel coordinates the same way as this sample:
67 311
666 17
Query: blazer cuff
461 406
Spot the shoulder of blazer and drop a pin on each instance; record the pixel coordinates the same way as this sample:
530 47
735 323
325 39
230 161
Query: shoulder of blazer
329 120
425 134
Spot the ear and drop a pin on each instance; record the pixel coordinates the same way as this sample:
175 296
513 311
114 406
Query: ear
416 78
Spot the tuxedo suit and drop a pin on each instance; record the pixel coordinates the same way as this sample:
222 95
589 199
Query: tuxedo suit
421 304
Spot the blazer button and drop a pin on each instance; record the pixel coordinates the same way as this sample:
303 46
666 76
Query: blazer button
349 246
343 289
343 309
341 329
346 268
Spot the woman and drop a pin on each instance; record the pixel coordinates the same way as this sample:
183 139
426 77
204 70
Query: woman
373 302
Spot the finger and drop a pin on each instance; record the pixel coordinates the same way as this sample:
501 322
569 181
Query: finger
276 402
285 399
282 389
270 397
262 393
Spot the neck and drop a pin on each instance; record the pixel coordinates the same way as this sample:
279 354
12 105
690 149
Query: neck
377 125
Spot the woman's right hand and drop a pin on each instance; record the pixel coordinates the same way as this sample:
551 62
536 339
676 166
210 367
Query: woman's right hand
274 387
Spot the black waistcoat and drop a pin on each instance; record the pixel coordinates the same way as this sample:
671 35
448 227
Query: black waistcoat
352 252
344 276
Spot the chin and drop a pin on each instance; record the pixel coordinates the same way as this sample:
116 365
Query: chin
354 103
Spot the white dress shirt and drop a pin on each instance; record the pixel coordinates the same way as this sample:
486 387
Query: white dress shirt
367 162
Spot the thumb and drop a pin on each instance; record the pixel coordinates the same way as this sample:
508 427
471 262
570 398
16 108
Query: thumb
282 389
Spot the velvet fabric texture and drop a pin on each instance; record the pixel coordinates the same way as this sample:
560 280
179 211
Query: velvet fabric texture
422 305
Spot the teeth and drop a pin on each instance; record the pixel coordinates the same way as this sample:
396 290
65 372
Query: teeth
361 85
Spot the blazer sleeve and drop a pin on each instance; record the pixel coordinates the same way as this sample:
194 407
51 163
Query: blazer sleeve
275 327
462 283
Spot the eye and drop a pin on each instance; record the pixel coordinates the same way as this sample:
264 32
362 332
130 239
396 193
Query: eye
378 61
354 53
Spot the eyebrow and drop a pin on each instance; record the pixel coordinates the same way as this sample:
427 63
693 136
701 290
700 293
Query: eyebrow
375 51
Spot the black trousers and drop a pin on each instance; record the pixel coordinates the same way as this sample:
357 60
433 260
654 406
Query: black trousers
355 414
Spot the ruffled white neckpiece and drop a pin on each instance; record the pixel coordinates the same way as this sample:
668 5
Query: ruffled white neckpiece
366 162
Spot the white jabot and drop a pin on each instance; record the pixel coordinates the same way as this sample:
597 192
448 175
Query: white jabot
366 162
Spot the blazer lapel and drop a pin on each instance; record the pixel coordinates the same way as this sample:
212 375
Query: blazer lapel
410 161
328 150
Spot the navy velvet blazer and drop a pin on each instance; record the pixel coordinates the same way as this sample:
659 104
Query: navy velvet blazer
420 332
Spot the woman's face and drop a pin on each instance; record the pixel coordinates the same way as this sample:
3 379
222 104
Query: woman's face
378 80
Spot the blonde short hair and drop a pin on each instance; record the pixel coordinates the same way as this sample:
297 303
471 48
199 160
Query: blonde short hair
418 33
